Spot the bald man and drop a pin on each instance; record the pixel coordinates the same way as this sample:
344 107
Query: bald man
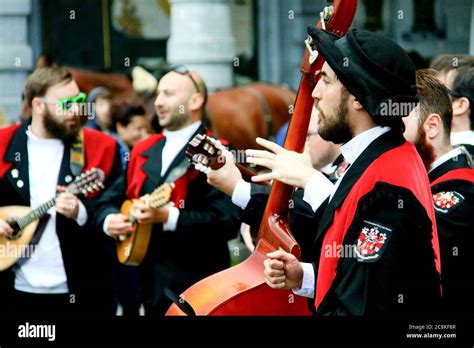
189 240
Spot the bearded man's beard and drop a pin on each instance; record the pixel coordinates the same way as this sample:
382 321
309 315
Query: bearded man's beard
424 149
336 128
67 134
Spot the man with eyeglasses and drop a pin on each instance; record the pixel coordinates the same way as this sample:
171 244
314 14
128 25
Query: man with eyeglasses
189 240
66 274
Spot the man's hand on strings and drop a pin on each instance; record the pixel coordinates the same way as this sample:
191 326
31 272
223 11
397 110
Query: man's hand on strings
226 178
67 204
289 167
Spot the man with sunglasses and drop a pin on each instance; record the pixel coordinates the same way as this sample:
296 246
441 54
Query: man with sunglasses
189 241
67 273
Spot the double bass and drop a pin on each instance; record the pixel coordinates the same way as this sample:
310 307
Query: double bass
241 290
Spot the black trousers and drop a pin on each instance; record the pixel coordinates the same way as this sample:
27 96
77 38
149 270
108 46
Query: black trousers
29 305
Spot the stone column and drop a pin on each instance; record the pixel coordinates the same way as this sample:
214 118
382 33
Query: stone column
201 38
15 55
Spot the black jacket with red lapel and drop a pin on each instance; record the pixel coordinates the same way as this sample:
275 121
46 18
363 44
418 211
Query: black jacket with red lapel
86 261
452 185
207 220
381 192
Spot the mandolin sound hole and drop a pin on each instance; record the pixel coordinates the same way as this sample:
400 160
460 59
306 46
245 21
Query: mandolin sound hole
17 231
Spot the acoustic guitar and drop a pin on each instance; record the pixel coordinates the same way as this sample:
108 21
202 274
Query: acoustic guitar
24 220
241 290
132 247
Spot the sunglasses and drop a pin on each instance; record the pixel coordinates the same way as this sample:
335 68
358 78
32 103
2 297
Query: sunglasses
66 104
183 70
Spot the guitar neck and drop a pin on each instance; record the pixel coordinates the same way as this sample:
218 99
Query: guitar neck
36 214
246 173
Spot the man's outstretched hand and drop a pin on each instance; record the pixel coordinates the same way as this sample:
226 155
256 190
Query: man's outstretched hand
289 167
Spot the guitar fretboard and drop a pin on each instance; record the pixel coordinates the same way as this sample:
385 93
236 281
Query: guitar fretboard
35 214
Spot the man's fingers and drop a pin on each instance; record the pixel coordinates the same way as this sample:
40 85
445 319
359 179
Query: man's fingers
270 145
275 272
275 283
259 154
264 162
121 226
281 255
267 177
5 228
274 264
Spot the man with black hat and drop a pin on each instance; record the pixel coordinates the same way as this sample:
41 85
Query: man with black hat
376 248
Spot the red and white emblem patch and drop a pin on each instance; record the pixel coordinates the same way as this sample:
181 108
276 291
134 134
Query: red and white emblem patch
341 169
372 241
446 201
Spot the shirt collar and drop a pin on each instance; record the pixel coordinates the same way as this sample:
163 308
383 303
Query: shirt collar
446 157
353 148
184 133
466 137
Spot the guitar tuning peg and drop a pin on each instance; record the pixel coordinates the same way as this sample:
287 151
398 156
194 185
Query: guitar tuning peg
84 192
90 189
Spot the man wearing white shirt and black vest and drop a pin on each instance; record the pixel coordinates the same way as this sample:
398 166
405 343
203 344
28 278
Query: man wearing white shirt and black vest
376 247
452 183
67 273
189 240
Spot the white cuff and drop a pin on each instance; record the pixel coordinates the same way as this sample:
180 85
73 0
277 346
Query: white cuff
172 222
241 194
106 224
81 214
307 287
317 189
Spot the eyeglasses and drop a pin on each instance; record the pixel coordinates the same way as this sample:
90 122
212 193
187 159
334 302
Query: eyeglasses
66 104
183 70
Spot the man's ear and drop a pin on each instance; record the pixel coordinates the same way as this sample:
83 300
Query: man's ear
433 125
37 106
460 106
196 101
355 104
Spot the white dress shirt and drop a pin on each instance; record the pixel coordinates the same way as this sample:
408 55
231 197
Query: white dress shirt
446 157
44 272
466 137
175 141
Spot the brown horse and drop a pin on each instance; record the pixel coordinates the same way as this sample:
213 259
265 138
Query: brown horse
242 114
238 114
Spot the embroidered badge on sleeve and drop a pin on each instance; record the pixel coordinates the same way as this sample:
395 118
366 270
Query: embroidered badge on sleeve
447 201
372 241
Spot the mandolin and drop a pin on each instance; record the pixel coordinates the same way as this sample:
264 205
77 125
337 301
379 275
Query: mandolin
241 290
132 248
24 220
